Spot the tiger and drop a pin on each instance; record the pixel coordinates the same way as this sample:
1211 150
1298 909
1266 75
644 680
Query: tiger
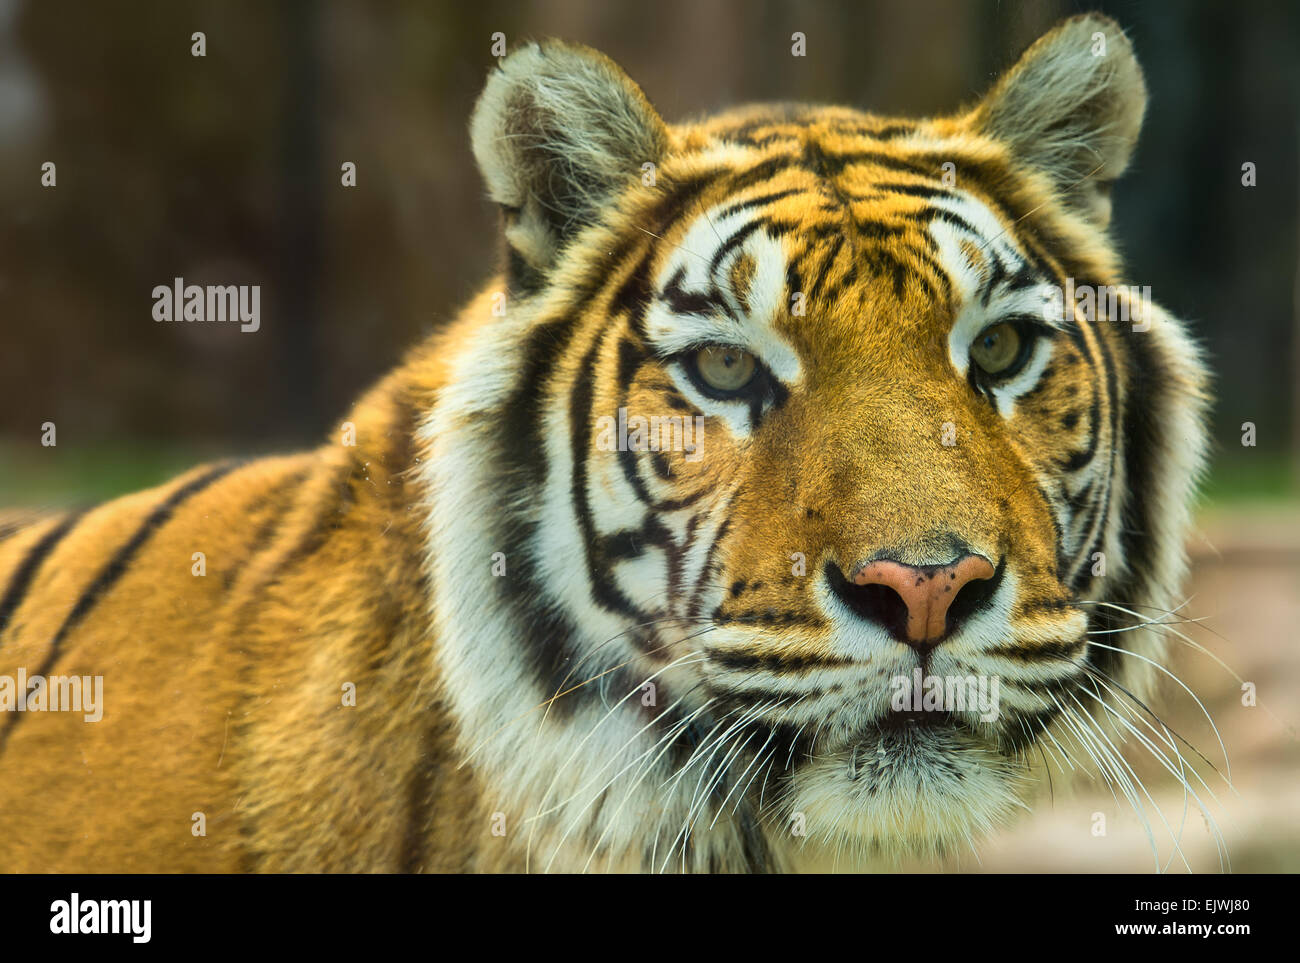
620 569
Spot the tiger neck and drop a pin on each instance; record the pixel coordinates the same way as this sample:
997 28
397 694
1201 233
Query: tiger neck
548 716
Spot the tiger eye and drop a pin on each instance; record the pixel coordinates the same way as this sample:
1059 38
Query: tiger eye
725 369
997 348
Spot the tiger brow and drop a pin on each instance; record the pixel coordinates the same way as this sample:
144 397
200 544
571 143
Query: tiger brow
1038 207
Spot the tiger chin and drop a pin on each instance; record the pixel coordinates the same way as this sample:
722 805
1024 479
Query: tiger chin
642 564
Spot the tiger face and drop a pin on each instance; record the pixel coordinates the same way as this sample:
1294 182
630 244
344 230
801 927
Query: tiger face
817 474
910 474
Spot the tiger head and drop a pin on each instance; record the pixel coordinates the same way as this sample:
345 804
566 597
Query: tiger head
826 449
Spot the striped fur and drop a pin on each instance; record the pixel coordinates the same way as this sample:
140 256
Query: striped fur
656 681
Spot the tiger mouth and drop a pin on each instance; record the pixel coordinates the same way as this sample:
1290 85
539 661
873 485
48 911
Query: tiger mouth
896 738
899 735
899 729
901 747
904 721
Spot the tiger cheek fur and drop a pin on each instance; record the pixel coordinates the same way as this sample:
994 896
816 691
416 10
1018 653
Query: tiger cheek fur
780 410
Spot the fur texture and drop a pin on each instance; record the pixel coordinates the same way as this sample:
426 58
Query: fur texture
571 655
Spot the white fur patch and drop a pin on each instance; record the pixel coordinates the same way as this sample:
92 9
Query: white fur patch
750 325
971 286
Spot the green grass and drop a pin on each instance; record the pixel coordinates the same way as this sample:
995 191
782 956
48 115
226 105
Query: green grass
79 474
1251 476
82 474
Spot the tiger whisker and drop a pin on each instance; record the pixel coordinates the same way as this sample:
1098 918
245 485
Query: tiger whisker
665 741
737 746
559 695
1113 777
1182 637
695 753
697 798
1227 764
1096 673
1119 759
608 641
664 744
578 748
1168 740
1180 774
757 756
1171 733
560 804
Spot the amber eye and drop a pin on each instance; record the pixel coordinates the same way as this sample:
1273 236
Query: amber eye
725 369
997 349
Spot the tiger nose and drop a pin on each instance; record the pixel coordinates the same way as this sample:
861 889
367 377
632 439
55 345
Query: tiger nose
927 591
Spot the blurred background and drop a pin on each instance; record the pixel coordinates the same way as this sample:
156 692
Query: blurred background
225 169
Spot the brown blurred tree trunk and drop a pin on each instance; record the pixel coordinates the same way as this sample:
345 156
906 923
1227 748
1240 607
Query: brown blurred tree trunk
298 230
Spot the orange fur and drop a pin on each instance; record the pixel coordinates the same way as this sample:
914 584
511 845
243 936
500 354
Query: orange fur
224 692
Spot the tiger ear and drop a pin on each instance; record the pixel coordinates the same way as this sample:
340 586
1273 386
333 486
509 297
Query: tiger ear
1072 107
558 131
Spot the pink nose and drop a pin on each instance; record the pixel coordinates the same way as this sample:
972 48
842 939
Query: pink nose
927 591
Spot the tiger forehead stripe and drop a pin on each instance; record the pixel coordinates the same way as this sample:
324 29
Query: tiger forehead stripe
725 283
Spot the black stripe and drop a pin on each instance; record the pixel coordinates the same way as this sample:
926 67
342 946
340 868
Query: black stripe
878 230
26 572
630 358
759 201
926 216
1081 571
522 279
997 275
835 163
736 239
118 565
792 281
1108 365
938 284
603 588
1142 428
1039 651
1023 727
825 269
1058 533
890 131
278 502
775 662
545 634
121 561
421 788
634 296
762 171
591 276
1078 459
681 301
702 581
328 510
926 191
